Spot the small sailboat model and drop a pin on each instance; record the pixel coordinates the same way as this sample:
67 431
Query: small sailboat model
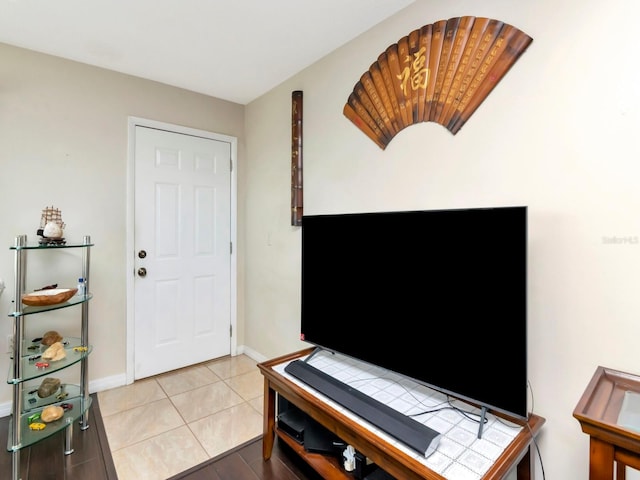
51 229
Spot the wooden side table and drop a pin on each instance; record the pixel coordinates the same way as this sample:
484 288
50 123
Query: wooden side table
516 456
611 446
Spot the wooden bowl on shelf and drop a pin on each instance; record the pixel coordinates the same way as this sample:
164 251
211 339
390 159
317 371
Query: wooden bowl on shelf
50 296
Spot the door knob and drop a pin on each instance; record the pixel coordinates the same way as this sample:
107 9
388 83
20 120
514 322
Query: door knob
142 254
142 272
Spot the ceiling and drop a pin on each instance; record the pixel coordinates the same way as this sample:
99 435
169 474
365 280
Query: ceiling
235 50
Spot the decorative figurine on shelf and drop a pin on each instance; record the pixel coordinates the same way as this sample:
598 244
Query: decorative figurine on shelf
51 228
54 353
49 338
51 413
48 387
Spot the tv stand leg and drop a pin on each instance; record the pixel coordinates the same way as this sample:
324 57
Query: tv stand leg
269 420
483 418
315 351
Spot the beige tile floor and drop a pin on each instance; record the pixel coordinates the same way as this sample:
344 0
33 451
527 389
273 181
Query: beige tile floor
163 425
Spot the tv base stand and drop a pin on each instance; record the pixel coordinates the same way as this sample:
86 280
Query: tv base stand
387 456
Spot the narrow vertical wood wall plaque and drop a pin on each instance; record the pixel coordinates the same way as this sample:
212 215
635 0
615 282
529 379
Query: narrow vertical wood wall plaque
296 158
438 73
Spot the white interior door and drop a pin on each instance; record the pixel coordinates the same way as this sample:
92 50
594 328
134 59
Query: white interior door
182 261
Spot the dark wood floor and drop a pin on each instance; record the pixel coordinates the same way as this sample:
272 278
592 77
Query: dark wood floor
46 460
91 459
245 463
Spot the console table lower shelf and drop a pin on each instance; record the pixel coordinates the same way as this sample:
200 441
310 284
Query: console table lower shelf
326 466
517 455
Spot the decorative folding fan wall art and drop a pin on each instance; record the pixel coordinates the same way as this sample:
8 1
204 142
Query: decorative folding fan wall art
439 73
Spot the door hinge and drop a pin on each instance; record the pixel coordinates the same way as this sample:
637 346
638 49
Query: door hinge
230 331
231 248
230 165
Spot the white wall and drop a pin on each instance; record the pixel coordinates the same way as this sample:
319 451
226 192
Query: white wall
63 137
558 133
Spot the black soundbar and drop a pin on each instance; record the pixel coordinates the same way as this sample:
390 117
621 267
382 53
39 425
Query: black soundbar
409 431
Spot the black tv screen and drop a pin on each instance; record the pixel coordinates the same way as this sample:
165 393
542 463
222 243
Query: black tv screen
439 296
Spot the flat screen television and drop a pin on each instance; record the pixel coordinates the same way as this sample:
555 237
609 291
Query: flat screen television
439 296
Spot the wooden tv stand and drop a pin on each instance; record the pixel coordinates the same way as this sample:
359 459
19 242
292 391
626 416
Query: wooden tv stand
393 460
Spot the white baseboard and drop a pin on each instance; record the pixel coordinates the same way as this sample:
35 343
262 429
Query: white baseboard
258 357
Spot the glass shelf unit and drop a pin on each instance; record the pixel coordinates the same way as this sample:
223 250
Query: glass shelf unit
65 393
30 310
26 361
29 437
37 246
30 370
